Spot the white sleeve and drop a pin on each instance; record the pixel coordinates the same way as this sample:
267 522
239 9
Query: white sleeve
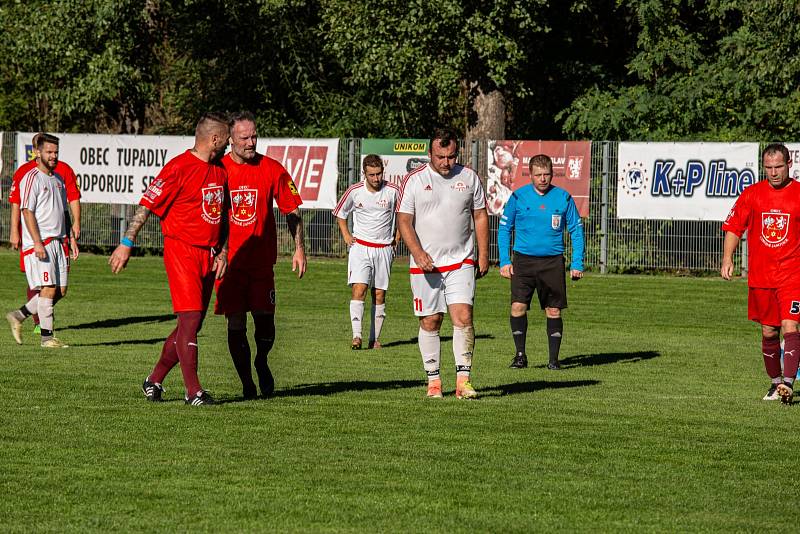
345 205
478 194
28 193
407 197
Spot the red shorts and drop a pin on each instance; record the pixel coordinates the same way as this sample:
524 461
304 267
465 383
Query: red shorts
242 291
191 279
771 306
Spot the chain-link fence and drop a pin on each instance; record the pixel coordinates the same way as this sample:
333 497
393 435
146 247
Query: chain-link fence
612 244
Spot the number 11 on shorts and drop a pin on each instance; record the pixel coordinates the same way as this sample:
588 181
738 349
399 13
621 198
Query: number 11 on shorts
417 304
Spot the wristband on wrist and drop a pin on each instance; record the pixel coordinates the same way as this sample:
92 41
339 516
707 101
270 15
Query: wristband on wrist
127 242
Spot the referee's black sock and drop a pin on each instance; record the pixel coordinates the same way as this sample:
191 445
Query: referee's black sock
519 330
554 329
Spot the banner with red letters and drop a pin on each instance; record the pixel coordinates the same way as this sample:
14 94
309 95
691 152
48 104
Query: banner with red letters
508 170
117 169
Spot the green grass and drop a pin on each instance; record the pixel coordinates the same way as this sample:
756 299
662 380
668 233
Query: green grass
655 424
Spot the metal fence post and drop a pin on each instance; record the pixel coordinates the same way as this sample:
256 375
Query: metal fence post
604 209
351 162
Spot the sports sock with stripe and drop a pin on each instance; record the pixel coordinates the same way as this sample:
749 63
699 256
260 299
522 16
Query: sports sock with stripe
430 349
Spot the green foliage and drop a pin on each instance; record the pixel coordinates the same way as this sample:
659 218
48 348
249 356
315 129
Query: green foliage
721 70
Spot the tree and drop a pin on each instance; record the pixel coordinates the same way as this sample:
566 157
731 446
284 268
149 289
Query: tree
716 70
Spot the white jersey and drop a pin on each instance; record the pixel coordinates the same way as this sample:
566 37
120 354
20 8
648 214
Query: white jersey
46 197
442 208
373 212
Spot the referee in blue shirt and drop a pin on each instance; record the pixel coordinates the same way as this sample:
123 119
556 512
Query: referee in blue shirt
539 213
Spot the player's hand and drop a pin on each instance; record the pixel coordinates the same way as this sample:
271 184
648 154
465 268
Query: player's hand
576 274
507 271
119 258
483 267
76 231
220 264
73 247
15 240
727 268
39 251
349 240
423 261
299 263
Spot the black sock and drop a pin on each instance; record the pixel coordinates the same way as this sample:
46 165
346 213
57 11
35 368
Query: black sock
240 354
519 330
554 330
265 338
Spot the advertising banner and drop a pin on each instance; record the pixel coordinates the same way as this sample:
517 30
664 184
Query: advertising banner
116 169
400 156
683 181
508 170
794 157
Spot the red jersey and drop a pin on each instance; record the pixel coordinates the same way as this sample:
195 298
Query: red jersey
253 241
772 220
188 195
62 169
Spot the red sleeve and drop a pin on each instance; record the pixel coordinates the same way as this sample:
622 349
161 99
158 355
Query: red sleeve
71 183
13 195
286 196
162 190
739 217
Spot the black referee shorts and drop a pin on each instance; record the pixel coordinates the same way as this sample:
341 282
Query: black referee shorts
544 274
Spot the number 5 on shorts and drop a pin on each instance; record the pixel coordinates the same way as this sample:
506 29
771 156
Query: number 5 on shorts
795 309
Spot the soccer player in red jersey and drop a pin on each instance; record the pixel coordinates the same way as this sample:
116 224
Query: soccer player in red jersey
254 181
770 213
188 195
73 199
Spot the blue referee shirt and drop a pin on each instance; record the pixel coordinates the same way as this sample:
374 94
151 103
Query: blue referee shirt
539 221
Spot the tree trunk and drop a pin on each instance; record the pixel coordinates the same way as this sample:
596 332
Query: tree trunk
486 120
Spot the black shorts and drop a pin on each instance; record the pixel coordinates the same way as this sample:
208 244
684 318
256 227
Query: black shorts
544 274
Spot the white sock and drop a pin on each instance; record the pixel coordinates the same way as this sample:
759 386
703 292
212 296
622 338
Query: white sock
45 314
378 315
356 315
33 305
463 344
429 348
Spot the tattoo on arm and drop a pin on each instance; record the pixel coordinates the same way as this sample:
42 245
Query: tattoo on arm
139 218
295 223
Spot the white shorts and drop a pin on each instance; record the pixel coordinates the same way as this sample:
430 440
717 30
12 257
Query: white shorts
369 265
51 271
433 292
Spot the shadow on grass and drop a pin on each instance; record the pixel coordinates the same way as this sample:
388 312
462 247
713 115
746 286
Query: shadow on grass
413 340
121 321
158 340
331 388
605 358
532 387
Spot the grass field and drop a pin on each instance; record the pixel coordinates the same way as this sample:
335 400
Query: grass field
656 422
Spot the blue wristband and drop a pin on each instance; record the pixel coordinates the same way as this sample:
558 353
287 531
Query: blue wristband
127 242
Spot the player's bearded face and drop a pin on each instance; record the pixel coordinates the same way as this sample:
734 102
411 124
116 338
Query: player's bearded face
541 177
243 140
374 176
48 155
443 159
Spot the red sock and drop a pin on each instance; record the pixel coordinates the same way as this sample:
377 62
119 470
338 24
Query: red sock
168 359
189 324
771 349
791 355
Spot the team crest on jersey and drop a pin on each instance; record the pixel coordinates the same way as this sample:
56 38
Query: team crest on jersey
212 204
292 187
243 205
460 186
555 221
774 228
383 203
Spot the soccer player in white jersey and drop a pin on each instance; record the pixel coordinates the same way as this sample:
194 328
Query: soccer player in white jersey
45 241
441 214
371 245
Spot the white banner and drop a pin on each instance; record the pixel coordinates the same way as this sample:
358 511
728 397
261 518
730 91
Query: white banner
794 157
685 181
116 169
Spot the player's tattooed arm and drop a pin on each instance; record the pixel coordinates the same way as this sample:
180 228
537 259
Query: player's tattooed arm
295 223
119 258
138 220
